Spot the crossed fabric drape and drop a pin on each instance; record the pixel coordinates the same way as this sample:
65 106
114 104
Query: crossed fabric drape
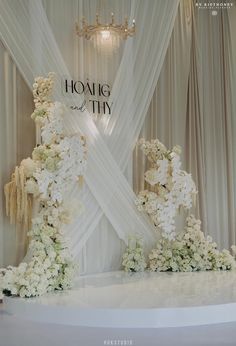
27 34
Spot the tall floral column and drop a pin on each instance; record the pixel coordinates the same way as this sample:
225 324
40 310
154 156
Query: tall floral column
55 165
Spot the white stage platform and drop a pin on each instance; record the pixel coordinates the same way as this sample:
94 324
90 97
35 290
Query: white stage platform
139 300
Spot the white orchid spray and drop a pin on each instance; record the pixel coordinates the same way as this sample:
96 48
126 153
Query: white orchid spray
54 167
173 187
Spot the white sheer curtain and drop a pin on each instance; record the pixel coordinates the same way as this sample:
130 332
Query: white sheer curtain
87 62
128 111
16 105
25 22
166 117
167 111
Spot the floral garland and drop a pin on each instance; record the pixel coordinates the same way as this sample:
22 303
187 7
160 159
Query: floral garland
133 258
54 166
174 188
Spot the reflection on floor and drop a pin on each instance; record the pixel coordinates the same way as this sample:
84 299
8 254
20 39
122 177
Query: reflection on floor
138 300
120 290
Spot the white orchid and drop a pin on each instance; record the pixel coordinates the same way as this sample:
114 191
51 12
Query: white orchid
174 188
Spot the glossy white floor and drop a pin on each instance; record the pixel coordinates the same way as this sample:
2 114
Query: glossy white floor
141 300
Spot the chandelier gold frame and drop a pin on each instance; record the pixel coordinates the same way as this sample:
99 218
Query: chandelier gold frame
88 31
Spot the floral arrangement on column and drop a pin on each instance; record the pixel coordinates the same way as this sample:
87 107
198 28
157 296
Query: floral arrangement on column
173 188
54 167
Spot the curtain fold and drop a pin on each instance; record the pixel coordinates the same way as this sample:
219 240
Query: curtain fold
16 104
194 105
217 97
167 111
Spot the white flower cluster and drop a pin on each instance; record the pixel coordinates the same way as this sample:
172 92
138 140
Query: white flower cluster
61 164
42 91
54 166
133 258
173 187
190 251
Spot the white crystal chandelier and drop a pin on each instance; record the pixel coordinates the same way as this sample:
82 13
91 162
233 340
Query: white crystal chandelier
105 31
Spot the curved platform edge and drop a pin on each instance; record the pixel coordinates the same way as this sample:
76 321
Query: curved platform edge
121 318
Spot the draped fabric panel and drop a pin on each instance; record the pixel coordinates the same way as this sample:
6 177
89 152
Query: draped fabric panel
167 111
83 58
126 105
166 117
88 63
194 106
232 66
127 111
17 136
131 86
218 104
38 52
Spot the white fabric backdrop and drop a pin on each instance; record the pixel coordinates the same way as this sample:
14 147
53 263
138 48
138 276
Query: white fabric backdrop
178 114
194 105
167 111
108 185
217 101
87 62
120 130
166 116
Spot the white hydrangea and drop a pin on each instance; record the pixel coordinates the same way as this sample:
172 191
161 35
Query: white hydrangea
133 258
190 251
53 127
61 164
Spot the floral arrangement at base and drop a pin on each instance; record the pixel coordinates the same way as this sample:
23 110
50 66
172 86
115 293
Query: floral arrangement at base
172 188
55 166
190 251
133 258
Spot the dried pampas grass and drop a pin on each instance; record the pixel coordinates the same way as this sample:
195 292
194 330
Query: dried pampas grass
18 201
